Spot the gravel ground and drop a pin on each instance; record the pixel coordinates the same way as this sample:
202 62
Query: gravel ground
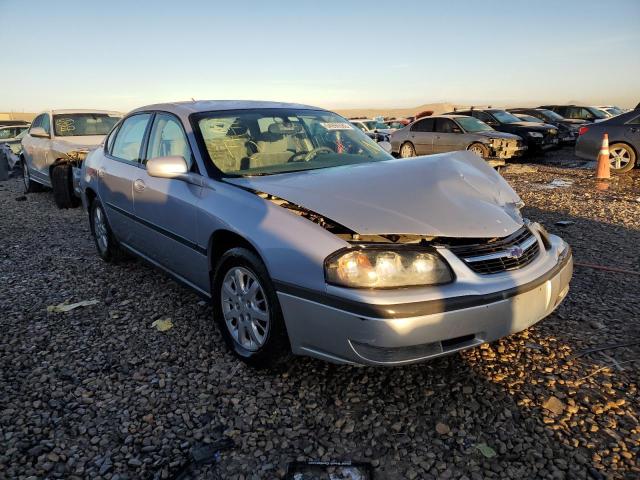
97 393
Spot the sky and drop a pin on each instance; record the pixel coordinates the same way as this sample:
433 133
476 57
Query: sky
122 54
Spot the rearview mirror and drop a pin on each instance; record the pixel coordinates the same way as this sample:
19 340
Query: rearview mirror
167 167
39 132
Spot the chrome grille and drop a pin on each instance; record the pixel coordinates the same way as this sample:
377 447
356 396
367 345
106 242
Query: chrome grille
499 255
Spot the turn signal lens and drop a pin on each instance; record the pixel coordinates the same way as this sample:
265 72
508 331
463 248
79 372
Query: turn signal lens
583 130
373 267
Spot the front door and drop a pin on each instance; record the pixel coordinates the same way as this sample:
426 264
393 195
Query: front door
447 136
121 168
167 208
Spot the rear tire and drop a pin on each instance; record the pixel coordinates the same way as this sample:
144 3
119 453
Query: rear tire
105 240
251 324
620 153
407 150
29 185
62 183
479 149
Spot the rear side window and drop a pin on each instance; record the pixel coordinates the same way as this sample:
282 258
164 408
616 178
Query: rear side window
168 138
634 121
128 142
423 125
482 116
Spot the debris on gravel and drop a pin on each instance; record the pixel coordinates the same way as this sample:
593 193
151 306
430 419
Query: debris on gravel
96 393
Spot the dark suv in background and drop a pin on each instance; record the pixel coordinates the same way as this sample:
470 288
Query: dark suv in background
537 137
578 112
567 127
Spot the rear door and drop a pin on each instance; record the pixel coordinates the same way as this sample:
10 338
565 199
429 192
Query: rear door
632 133
448 136
121 167
422 136
167 208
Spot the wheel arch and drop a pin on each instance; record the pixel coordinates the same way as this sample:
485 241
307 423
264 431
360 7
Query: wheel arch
223 240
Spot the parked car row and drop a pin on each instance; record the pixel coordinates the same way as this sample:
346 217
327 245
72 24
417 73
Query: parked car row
523 130
304 234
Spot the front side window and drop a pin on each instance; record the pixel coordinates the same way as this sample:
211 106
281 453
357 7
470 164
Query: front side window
6 133
482 116
472 125
46 125
168 139
444 125
129 138
37 122
270 141
83 124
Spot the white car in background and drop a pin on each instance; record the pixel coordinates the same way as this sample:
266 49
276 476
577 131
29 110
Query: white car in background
55 146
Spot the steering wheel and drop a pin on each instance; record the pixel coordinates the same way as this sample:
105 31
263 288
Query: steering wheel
309 155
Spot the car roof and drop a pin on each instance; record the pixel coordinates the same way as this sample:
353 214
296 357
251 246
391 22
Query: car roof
187 108
83 110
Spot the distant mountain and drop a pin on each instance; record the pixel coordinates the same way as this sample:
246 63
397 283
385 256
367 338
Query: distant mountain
437 109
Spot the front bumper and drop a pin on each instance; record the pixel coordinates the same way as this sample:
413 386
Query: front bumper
397 334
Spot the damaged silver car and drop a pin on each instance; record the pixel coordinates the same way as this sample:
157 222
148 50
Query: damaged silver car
307 237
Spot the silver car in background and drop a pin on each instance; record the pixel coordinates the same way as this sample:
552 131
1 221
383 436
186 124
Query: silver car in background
307 237
449 133
56 142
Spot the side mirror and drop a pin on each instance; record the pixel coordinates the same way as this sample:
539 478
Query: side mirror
167 167
456 130
39 132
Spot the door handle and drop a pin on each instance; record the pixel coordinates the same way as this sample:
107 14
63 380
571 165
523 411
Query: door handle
139 185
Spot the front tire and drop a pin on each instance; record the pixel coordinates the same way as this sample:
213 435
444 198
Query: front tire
479 149
407 150
247 311
62 183
105 241
621 157
29 185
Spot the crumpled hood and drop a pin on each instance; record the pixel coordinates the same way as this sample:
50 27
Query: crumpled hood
447 195
87 141
497 134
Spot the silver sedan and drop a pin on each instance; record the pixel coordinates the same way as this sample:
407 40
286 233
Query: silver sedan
310 239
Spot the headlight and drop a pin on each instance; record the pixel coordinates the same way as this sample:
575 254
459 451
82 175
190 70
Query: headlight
377 267
535 134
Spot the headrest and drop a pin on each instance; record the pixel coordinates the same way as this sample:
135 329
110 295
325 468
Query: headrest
237 129
285 128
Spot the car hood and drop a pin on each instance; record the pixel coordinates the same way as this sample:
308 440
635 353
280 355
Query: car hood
447 195
496 134
541 127
82 141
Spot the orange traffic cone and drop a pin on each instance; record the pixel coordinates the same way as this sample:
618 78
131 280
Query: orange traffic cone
603 169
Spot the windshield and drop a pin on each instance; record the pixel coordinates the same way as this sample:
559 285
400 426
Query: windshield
83 124
528 118
596 112
505 117
471 125
551 115
269 141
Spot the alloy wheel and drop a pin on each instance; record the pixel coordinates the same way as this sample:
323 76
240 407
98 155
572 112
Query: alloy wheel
476 149
25 174
406 151
100 230
245 308
619 157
